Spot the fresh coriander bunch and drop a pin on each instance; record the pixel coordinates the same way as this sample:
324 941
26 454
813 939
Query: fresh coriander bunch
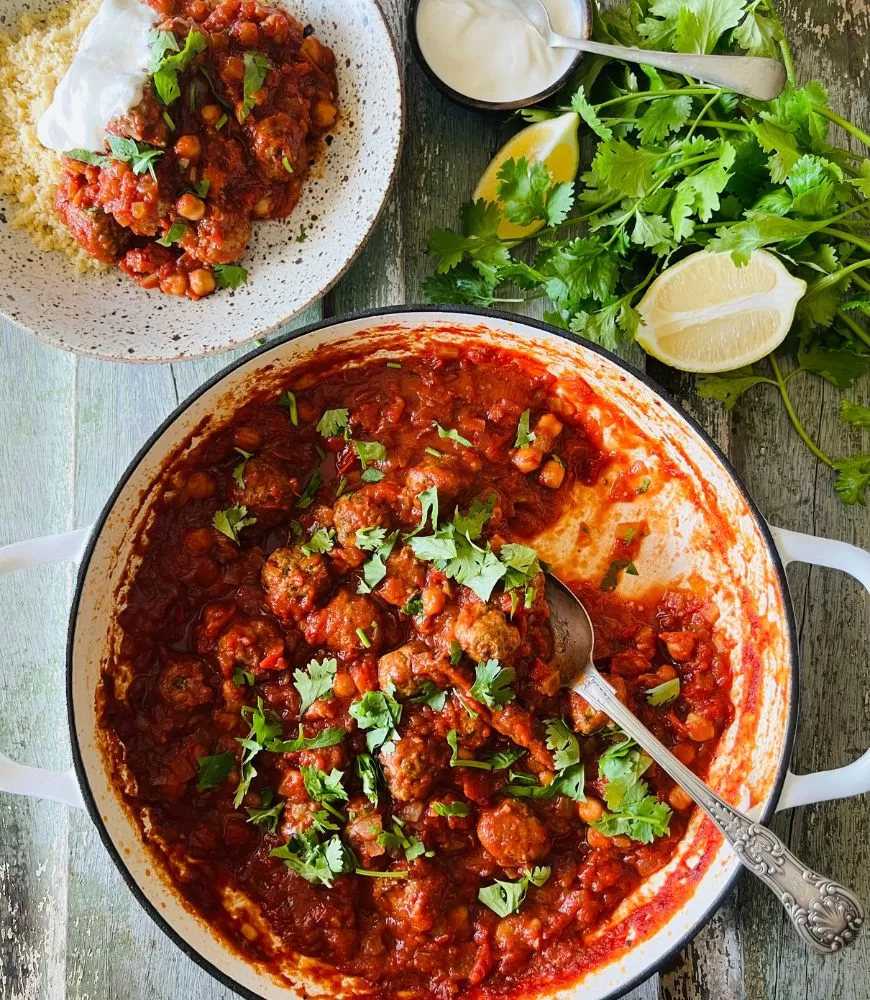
678 166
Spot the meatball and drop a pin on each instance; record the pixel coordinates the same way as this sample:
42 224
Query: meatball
414 903
96 232
293 582
341 625
513 834
413 768
406 574
471 731
448 474
359 510
276 139
220 238
408 666
363 830
485 634
269 490
254 644
182 682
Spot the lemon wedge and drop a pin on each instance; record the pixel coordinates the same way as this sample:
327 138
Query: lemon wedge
706 314
554 142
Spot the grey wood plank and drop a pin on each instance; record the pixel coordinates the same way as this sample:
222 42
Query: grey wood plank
36 403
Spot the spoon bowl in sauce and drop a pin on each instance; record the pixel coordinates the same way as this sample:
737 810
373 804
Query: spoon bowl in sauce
484 53
800 890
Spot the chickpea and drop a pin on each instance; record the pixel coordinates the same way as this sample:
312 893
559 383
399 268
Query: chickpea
190 207
678 798
210 113
527 459
597 840
433 601
324 114
699 728
685 752
666 672
275 27
198 540
263 207
188 147
201 282
552 474
247 438
198 10
175 284
343 686
248 35
201 486
591 810
139 209
234 69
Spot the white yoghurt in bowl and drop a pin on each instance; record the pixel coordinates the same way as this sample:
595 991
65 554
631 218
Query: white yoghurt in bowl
486 50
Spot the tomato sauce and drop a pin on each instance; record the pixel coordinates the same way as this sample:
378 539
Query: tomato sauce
291 585
234 144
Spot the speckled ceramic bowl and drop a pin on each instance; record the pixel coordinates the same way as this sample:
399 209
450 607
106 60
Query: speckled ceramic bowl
106 315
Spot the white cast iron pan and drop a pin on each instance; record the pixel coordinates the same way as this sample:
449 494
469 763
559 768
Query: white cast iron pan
702 524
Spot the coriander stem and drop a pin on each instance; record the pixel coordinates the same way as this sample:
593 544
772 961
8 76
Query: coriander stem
654 95
846 237
835 276
847 126
798 426
861 283
856 328
704 111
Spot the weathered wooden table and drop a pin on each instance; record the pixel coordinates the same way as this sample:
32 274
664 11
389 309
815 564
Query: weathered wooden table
69 928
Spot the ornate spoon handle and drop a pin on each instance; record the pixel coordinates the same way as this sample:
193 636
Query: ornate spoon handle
825 914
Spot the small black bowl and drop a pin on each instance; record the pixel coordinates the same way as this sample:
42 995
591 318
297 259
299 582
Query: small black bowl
473 102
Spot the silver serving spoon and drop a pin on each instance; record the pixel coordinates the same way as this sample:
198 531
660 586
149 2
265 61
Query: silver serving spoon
827 916
753 76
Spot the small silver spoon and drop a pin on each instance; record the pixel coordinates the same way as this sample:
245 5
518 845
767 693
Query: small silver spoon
827 916
753 76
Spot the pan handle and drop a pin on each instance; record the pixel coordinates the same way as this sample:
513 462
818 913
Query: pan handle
58 786
854 778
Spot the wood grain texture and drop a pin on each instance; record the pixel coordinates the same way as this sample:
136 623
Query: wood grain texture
69 928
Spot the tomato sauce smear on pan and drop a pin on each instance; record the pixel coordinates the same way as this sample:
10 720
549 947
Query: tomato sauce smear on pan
342 702
230 122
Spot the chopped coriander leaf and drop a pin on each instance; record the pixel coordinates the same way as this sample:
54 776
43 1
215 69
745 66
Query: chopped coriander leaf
634 812
229 275
230 522
379 713
214 770
370 539
369 451
287 401
396 839
413 607
308 494
570 782
175 232
316 860
333 423
374 569
303 235
428 509
342 486
219 124
264 727
239 470
86 156
363 638
611 577
451 435
505 898
372 475
140 156
448 809
369 773
455 653
242 677
393 364
314 682
170 124
492 684
498 762
325 738
664 693
256 67
321 454
563 744
267 816
322 787
525 437
286 164
431 695
644 484
323 540
201 188
503 759
434 452
167 62
372 873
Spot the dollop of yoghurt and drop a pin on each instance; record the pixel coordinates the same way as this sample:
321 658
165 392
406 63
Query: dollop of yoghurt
487 50
104 80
